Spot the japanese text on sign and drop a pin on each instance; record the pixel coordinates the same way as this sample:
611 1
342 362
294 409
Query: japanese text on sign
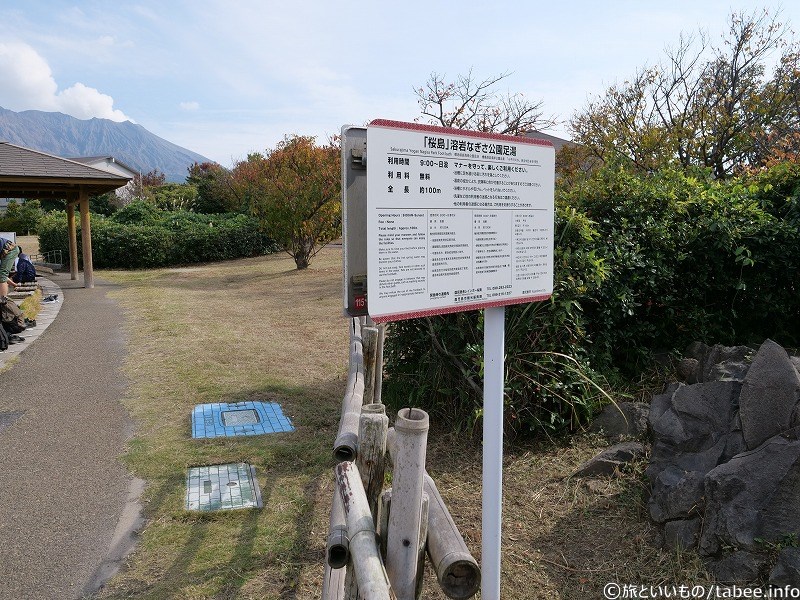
456 220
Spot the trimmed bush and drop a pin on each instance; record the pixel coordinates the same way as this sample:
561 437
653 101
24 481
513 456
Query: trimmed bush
644 264
142 236
437 363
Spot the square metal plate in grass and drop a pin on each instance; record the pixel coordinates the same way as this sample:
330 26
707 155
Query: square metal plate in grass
222 487
233 418
228 419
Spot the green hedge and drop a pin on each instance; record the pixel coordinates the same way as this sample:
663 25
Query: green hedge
644 264
141 236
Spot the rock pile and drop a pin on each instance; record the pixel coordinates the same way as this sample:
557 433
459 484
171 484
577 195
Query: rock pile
725 461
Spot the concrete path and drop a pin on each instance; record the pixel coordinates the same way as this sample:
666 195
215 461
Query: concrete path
66 507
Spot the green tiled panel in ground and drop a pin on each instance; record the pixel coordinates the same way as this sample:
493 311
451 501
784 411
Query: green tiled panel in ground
222 487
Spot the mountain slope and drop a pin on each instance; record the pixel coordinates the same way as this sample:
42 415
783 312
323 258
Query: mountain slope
62 135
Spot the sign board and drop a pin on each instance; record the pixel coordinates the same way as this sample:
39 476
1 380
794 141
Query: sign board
456 220
354 220
9 235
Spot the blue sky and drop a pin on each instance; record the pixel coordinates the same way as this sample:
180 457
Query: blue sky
230 77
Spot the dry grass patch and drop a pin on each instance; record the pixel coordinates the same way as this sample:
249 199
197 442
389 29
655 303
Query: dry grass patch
259 329
31 305
252 329
28 243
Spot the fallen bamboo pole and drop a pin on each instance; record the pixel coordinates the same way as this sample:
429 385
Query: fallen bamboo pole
456 569
337 550
373 584
424 526
345 447
402 546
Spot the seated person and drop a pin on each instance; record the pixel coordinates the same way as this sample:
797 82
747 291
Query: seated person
8 252
24 271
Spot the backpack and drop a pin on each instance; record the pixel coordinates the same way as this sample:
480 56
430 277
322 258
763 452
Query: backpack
11 316
26 272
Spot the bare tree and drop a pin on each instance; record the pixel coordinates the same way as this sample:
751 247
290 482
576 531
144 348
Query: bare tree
704 105
476 104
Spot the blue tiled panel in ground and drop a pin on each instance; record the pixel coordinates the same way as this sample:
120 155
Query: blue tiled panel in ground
228 419
222 487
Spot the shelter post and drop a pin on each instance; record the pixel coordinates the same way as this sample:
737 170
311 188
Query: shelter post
86 239
73 242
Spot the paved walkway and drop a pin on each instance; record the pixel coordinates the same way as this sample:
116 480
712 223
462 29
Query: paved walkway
65 510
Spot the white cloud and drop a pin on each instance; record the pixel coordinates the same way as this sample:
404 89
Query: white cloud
189 105
85 102
27 83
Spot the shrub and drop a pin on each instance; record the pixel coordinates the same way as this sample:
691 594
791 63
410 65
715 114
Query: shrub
644 264
141 236
437 363
139 212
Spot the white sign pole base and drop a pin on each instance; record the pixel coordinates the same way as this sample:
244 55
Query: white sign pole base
493 386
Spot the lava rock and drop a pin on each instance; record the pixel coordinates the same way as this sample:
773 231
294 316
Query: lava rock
741 567
692 432
770 393
786 571
682 534
677 494
611 460
724 362
755 495
622 420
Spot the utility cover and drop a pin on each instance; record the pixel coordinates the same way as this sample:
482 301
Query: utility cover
228 419
222 487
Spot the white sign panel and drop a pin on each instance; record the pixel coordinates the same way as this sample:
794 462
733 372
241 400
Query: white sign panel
456 220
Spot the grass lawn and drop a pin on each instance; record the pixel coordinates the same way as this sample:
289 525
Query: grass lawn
257 329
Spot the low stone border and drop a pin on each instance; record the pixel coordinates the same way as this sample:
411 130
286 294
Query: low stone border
46 316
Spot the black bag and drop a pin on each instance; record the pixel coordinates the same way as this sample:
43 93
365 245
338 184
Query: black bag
11 316
3 339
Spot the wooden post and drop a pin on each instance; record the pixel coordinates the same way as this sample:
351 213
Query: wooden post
373 583
371 463
333 583
345 447
383 519
73 242
377 397
86 240
402 547
371 460
370 337
456 569
350 590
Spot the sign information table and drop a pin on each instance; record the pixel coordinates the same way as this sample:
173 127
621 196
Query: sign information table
456 220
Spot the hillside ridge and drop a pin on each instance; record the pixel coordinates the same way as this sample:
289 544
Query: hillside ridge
129 143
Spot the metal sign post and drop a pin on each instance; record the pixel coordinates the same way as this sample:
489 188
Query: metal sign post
494 348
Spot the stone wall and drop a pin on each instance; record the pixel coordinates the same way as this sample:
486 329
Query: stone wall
725 462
